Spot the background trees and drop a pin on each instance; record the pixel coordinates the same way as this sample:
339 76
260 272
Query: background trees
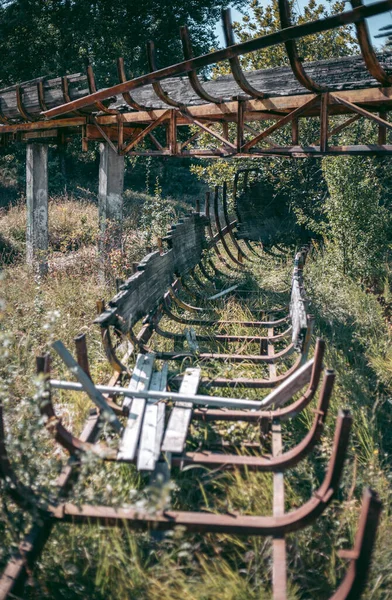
54 37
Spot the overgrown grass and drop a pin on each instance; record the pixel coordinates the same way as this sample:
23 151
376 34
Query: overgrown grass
91 562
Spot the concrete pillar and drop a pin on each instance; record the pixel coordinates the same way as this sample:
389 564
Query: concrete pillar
110 201
37 236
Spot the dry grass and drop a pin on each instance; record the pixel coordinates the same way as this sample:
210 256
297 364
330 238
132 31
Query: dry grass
73 224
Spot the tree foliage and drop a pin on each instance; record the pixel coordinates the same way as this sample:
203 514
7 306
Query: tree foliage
358 222
54 37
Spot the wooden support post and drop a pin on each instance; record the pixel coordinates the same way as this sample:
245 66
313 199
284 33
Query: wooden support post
110 203
324 122
173 132
240 125
37 236
84 139
294 132
382 130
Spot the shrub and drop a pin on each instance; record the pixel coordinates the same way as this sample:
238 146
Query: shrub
359 225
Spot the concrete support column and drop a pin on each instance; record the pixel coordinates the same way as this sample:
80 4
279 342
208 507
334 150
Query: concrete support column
110 202
37 236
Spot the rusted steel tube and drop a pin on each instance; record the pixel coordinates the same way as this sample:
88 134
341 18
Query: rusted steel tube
127 95
227 223
214 239
219 229
250 339
92 88
158 89
292 52
360 556
235 64
20 105
192 75
267 463
283 414
227 523
369 56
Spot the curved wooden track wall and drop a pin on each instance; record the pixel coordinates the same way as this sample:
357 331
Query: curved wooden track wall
152 423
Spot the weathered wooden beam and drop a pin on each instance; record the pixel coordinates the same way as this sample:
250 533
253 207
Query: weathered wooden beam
37 235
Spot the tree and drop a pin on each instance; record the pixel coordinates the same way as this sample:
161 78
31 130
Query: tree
359 225
55 37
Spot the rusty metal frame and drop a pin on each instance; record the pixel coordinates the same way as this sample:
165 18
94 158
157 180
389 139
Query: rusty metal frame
19 103
270 463
214 239
127 95
283 121
157 86
266 417
223 523
41 94
292 52
235 64
192 75
92 88
367 51
227 224
220 233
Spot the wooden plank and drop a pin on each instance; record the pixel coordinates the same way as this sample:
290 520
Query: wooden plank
140 381
286 390
180 418
87 385
279 568
153 424
143 291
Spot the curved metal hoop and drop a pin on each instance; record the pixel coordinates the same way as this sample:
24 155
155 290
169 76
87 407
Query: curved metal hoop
283 414
93 88
270 463
192 75
127 95
219 229
292 52
41 95
227 223
211 233
235 64
19 103
158 89
66 96
226 523
3 118
354 581
368 54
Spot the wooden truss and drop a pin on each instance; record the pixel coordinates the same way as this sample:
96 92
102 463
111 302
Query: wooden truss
148 130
